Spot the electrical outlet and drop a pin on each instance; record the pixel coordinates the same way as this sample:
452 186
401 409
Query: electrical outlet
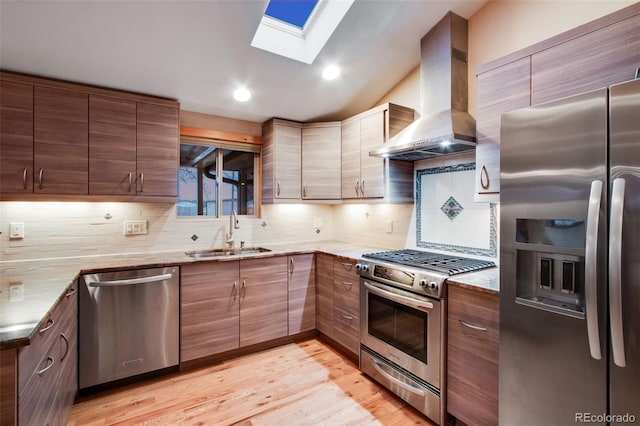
135 227
389 227
16 230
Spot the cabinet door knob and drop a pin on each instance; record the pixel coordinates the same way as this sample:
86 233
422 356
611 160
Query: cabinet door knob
357 187
49 364
40 178
24 178
278 188
484 178
475 327
130 181
66 346
141 181
362 187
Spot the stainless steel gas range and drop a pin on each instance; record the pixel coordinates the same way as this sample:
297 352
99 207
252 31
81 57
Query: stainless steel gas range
403 321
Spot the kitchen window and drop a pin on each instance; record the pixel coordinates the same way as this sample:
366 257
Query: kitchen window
216 177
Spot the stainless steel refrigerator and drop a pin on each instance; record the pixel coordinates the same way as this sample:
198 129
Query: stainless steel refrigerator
570 260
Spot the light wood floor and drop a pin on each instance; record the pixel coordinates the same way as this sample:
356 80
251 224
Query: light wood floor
307 383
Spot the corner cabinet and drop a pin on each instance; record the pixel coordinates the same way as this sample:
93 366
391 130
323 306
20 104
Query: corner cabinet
500 90
302 293
592 56
65 141
472 356
369 177
321 161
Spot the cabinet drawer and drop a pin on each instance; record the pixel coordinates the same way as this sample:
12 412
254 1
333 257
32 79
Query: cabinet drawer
346 329
472 370
346 286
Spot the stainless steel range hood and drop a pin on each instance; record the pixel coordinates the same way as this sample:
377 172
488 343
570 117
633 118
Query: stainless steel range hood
445 127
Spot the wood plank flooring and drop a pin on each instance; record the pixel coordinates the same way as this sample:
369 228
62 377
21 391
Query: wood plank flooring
306 383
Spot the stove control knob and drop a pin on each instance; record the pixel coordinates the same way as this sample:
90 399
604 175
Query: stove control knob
358 267
362 267
433 285
423 282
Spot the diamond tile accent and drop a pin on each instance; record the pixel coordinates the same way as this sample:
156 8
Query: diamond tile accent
451 208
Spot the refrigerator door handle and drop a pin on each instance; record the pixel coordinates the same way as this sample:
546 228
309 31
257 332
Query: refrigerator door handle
590 265
615 271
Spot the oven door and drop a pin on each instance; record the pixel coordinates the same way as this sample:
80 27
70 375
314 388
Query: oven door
402 327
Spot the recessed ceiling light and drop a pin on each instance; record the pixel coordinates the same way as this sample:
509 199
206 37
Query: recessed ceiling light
242 95
331 72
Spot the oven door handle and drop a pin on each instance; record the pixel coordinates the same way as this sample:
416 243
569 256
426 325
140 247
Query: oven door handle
380 369
422 305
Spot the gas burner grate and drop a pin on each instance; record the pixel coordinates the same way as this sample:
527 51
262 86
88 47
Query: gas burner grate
446 264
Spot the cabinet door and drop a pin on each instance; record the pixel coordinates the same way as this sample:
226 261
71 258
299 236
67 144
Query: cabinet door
472 360
16 138
209 317
321 161
61 141
598 59
350 159
67 354
287 162
500 90
346 300
324 294
302 293
372 168
157 150
263 300
112 146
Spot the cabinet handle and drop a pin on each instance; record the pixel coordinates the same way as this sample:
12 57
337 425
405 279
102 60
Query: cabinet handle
278 188
50 362
243 289
347 283
348 317
234 290
291 265
484 176
362 187
357 187
40 177
66 347
130 181
141 181
24 178
70 293
304 190
48 326
475 327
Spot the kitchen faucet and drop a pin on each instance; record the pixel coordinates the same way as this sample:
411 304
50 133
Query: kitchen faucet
233 224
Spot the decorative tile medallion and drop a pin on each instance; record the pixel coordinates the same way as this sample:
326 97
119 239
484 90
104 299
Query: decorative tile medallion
451 208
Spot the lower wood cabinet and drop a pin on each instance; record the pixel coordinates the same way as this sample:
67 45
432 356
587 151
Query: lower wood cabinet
229 305
209 314
263 300
338 300
472 359
302 293
46 370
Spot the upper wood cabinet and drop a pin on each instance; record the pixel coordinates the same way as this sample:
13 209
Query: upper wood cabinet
157 150
472 356
500 90
302 293
364 176
281 161
595 55
597 59
61 141
16 138
112 146
321 161
68 141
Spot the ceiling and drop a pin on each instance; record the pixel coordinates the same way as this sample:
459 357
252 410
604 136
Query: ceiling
198 52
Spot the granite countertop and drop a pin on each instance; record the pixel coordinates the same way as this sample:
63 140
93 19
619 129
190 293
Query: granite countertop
31 289
485 280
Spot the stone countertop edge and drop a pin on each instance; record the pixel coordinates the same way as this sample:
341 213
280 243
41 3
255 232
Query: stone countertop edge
485 280
56 275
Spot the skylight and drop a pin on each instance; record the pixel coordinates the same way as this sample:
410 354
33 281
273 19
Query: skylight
299 29
292 12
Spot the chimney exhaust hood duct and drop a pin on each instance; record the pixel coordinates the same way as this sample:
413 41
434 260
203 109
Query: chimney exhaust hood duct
445 127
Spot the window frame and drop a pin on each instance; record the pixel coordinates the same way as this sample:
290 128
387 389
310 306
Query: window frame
221 145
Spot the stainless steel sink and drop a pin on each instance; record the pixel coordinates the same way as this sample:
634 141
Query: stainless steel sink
197 254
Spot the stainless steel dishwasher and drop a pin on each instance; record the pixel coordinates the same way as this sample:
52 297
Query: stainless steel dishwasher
128 324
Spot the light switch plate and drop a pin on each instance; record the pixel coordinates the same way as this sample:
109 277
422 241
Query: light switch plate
135 227
16 230
389 227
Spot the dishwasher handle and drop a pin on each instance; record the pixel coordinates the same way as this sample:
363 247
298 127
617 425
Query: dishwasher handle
130 281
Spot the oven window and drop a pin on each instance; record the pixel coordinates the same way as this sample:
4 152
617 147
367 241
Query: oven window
398 325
